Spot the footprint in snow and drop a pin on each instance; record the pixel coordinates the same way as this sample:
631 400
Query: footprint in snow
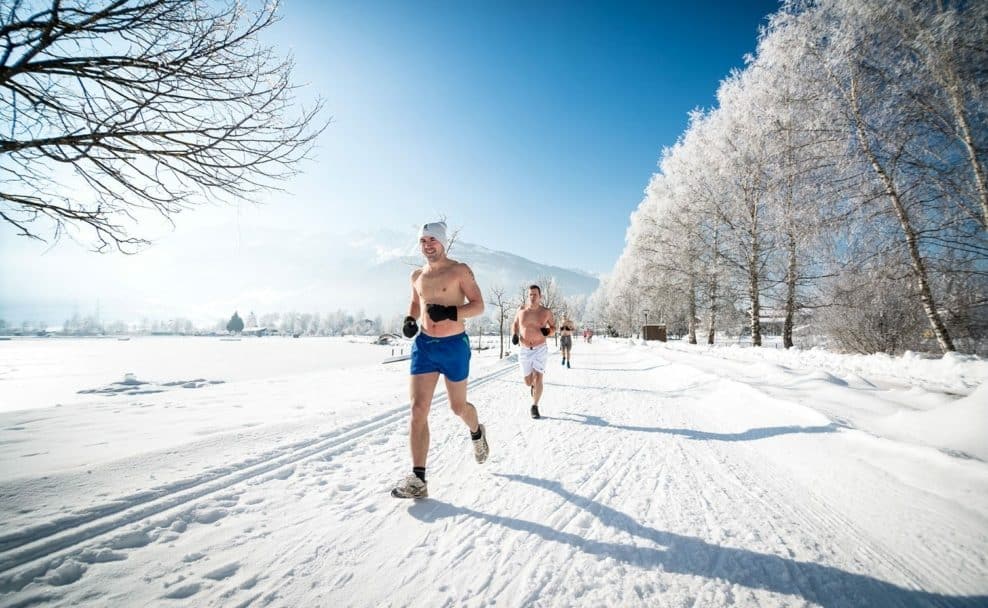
223 572
283 474
130 540
100 556
209 516
66 574
182 592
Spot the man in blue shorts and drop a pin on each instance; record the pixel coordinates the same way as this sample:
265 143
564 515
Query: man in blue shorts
444 294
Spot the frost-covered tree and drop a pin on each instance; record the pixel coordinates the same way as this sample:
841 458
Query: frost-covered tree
893 111
851 146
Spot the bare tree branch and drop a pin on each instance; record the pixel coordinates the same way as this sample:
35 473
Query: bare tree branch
159 105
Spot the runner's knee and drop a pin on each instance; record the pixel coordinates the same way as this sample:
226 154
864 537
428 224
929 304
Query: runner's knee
458 407
420 408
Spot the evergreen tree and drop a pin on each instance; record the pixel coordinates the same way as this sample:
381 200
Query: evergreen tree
236 324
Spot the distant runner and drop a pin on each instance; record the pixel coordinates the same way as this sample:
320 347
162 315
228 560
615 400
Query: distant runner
446 291
566 330
532 324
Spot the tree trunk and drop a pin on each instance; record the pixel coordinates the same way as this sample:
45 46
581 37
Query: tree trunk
753 295
691 310
790 220
500 332
790 291
912 243
980 180
712 319
756 311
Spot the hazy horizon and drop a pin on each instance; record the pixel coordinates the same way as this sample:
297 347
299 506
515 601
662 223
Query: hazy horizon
365 271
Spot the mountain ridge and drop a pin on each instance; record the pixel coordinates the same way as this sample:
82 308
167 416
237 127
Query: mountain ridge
272 271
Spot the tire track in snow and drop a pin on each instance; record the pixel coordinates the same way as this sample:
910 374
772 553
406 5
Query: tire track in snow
25 547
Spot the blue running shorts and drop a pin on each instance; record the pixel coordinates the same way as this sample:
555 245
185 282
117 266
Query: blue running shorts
450 356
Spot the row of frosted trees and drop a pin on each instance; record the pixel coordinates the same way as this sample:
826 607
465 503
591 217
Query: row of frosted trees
839 187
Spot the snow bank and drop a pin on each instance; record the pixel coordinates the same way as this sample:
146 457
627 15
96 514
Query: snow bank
954 373
937 402
963 424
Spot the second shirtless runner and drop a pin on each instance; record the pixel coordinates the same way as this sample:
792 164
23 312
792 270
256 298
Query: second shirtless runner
444 293
532 324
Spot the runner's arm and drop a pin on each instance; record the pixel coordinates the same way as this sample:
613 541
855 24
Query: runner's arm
475 300
415 307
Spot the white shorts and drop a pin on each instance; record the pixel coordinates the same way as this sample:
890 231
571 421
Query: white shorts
533 359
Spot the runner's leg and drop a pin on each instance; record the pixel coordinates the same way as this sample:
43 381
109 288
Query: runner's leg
457 392
422 387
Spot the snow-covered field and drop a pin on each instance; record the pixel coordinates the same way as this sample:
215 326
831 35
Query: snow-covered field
256 472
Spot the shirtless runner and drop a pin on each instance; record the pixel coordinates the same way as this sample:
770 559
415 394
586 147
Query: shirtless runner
566 331
444 294
532 324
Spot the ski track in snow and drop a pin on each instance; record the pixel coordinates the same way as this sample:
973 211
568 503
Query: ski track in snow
25 546
641 486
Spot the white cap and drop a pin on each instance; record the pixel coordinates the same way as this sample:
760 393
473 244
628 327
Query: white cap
436 230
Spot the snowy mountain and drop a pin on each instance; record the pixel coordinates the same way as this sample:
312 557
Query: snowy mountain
206 276
370 272
387 273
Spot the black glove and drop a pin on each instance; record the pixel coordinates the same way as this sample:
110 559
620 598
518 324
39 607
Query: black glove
438 312
545 331
514 339
410 328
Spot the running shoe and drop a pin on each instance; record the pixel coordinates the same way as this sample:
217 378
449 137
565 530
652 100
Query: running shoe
480 447
411 487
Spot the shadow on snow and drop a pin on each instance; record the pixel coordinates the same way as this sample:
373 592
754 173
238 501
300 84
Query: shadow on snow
824 585
749 435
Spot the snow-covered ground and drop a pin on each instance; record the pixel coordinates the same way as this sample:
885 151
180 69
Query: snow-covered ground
256 472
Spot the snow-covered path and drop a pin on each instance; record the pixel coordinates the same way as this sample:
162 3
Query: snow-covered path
656 478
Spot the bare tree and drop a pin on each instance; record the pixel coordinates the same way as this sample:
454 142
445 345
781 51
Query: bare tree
503 307
552 297
116 107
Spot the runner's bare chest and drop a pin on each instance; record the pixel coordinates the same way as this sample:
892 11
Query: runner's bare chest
534 318
439 286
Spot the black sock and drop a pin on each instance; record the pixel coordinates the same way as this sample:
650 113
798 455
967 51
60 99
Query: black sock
419 472
477 435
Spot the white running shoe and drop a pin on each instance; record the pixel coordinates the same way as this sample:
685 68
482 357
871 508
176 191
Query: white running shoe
480 447
411 487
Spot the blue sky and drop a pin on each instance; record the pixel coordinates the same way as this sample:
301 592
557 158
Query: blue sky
533 126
